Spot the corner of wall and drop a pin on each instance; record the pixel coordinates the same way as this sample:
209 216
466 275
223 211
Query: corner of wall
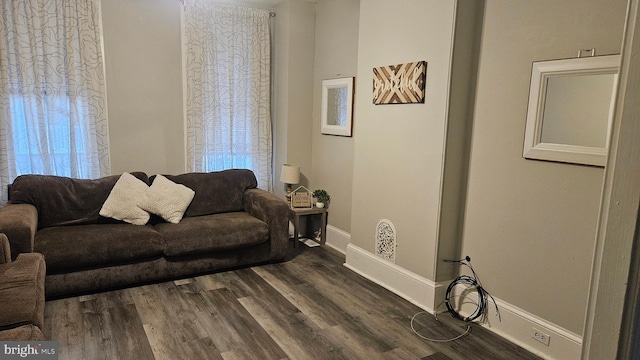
513 323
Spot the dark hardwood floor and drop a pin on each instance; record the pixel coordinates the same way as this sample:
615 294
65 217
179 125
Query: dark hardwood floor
310 307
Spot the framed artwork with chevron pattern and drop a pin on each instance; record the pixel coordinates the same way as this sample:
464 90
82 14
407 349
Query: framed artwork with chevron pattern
399 84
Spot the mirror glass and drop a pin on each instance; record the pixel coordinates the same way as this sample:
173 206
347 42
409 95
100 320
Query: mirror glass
337 106
570 109
565 123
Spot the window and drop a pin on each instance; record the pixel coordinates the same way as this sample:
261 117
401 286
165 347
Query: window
52 91
56 143
227 70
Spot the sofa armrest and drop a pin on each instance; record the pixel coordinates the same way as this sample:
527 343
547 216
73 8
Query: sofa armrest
274 211
19 222
22 291
5 250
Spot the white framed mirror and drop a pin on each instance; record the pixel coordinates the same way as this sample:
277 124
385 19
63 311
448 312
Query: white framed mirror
571 104
337 106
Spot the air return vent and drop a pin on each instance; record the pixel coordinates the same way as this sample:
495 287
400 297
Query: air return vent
386 240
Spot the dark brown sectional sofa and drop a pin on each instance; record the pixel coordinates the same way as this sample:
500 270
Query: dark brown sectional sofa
229 223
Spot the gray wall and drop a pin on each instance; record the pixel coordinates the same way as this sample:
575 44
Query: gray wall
144 85
398 154
336 55
293 56
530 226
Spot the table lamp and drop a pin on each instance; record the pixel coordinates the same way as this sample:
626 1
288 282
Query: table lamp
290 175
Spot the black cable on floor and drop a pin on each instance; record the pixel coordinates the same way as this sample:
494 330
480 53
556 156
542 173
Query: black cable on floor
471 282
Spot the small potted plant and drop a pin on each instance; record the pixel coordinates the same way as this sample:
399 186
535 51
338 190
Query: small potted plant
322 198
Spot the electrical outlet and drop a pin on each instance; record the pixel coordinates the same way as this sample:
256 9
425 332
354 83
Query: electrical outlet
540 336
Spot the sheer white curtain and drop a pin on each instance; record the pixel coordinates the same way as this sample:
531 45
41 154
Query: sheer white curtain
52 100
227 53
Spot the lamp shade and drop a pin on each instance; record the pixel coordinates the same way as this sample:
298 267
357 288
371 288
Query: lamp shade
290 174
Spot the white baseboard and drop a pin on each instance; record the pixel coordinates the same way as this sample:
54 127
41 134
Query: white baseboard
416 289
515 324
338 239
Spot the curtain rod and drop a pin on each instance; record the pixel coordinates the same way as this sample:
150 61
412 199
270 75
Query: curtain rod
271 13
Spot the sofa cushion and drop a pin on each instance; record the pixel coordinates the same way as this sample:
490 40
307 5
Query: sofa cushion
22 291
216 192
208 233
62 200
166 199
22 333
122 202
67 248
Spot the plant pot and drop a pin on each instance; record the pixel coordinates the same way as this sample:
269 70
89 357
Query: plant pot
320 205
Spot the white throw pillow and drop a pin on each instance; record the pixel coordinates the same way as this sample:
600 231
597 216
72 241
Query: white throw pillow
166 199
122 203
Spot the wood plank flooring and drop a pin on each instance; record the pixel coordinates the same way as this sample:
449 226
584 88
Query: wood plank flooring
310 307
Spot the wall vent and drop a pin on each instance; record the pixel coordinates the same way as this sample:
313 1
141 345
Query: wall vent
386 240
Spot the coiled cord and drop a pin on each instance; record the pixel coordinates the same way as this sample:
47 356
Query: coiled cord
481 305
470 282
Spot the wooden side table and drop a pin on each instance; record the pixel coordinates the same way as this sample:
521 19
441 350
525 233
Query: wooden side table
295 214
